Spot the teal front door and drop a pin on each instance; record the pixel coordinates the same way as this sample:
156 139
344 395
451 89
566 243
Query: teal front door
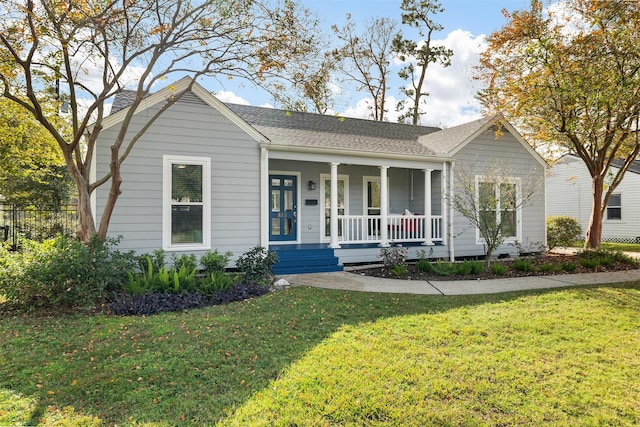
283 209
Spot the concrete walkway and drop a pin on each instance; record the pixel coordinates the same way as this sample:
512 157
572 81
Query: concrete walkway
354 282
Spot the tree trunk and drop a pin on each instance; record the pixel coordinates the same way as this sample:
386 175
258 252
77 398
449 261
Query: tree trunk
87 227
594 230
487 259
114 192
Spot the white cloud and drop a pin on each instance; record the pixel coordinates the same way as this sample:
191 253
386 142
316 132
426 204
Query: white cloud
231 97
452 90
361 110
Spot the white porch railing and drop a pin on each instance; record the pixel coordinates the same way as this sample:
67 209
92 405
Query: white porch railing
400 228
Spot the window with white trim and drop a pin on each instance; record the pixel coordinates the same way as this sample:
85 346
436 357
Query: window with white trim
372 192
186 203
614 207
498 204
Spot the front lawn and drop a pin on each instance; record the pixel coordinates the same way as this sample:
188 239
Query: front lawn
314 357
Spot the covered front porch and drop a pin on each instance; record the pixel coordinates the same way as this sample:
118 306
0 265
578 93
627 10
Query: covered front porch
379 220
356 206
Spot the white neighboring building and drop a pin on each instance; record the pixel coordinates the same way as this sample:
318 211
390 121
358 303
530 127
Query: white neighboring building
569 192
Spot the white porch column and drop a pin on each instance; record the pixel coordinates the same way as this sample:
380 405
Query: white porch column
333 223
384 207
452 251
427 207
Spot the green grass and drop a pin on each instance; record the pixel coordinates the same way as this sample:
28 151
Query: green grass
314 357
624 247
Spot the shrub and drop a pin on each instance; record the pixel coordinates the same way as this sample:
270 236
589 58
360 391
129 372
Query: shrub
424 266
620 256
163 280
257 264
591 263
606 256
188 261
568 266
499 268
64 273
215 261
477 267
523 264
562 231
393 256
468 267
399 270
444 268
606 260
549 268
464 268
157 258
215 281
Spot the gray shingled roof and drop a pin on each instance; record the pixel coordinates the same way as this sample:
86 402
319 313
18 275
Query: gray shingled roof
446 140
309 130
334 132
122 100
634 167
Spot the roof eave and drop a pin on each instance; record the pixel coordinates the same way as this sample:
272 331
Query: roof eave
197 90
354 153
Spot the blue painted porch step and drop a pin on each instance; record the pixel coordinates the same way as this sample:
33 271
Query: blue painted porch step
297 259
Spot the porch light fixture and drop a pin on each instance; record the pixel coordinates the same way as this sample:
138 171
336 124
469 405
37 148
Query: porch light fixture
311 185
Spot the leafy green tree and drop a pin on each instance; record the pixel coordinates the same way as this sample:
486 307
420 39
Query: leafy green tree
32 170
570 79
91 50
419 55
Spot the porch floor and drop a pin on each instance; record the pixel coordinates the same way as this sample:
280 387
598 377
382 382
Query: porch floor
319 257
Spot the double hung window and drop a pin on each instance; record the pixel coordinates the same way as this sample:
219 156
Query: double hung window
186 208
614 207
498 207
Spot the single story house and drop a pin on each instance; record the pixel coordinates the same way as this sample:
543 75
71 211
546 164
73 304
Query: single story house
321 190
569 192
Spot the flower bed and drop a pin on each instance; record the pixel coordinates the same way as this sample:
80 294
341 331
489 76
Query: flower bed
544 265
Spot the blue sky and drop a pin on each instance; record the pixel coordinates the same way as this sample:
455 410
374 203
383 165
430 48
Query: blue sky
452 90
476 16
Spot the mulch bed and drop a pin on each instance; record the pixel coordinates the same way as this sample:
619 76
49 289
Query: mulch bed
557 259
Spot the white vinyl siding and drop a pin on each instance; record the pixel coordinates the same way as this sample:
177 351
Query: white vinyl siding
486 148
193 129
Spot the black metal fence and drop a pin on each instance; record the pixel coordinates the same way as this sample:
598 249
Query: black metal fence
17 223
